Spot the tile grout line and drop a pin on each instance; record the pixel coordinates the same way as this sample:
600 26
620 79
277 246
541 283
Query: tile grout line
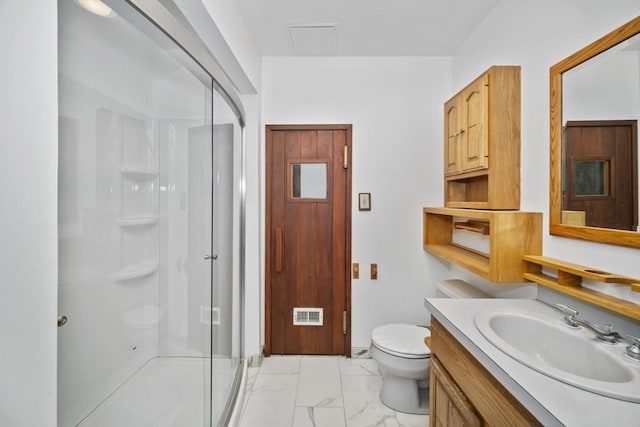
344 406
295 400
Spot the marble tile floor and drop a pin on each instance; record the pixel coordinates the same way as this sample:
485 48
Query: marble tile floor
319 391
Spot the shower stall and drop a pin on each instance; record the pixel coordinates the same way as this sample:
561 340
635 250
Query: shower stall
149 223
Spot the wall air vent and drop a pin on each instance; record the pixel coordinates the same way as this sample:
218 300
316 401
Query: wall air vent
307 316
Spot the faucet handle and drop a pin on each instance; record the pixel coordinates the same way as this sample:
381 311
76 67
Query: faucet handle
633 351
565 309
570 313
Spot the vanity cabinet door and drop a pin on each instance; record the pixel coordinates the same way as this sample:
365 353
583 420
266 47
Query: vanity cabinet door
449 406
478 393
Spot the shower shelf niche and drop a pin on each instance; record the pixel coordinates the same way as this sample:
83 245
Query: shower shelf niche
136 271
141 221
138 173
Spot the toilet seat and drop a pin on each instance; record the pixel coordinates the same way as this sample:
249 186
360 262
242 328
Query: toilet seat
402 340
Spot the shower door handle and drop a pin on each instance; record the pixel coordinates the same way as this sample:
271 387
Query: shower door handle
213 257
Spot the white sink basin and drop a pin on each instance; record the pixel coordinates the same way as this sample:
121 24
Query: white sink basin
571 356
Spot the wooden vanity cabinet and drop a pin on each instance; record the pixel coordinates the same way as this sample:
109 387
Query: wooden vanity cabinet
450 406
464 393
482 142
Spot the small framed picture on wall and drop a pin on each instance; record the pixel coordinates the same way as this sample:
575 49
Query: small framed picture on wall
364 201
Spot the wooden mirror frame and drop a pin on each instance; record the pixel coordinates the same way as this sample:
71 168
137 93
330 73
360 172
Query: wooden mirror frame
601 235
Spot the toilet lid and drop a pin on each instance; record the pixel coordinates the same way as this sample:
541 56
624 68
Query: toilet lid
402 340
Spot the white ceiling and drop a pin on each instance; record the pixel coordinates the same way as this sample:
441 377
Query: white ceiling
362 27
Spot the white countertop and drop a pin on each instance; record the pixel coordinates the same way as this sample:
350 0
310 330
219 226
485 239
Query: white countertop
553 402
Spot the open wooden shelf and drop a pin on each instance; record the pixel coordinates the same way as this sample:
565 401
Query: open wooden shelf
511 234
473 261
569 282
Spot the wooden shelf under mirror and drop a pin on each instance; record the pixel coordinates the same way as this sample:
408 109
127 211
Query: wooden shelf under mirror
569 281
510 234
611 184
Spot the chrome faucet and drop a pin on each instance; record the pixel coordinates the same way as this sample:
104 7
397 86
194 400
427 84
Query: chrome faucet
605 333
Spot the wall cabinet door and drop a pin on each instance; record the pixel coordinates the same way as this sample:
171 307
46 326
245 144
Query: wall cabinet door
452 127
465 127
474 126
449 406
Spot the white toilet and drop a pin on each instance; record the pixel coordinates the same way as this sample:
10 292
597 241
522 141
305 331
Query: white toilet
403 357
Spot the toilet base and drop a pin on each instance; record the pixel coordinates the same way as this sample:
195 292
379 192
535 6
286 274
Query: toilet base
405 395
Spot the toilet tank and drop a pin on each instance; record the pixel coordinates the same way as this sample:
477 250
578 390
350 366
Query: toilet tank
456 288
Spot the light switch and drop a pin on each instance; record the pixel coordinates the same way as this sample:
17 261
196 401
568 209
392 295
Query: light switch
356 270
374 271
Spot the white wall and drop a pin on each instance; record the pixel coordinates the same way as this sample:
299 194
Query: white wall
537 34
28 218
395 106
232 28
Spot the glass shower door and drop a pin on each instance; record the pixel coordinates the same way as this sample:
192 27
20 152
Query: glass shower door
136 220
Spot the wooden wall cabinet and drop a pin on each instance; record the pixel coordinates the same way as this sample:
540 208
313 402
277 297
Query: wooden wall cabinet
464 393
482 142
511 234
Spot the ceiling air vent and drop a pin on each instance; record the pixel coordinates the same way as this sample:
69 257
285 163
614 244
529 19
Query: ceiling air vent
313 39
307 316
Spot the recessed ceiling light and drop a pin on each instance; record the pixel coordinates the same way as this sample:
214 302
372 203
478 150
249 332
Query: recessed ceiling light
97 7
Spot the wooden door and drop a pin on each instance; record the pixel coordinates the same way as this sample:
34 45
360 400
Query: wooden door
308 243
474 132
452 136
600 172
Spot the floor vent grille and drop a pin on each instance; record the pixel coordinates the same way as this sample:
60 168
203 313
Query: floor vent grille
307 316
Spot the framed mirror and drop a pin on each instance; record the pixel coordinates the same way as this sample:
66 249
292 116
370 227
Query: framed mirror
595 108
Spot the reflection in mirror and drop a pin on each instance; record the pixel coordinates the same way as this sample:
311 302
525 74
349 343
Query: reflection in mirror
599 160
599 153
595 107
309 180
